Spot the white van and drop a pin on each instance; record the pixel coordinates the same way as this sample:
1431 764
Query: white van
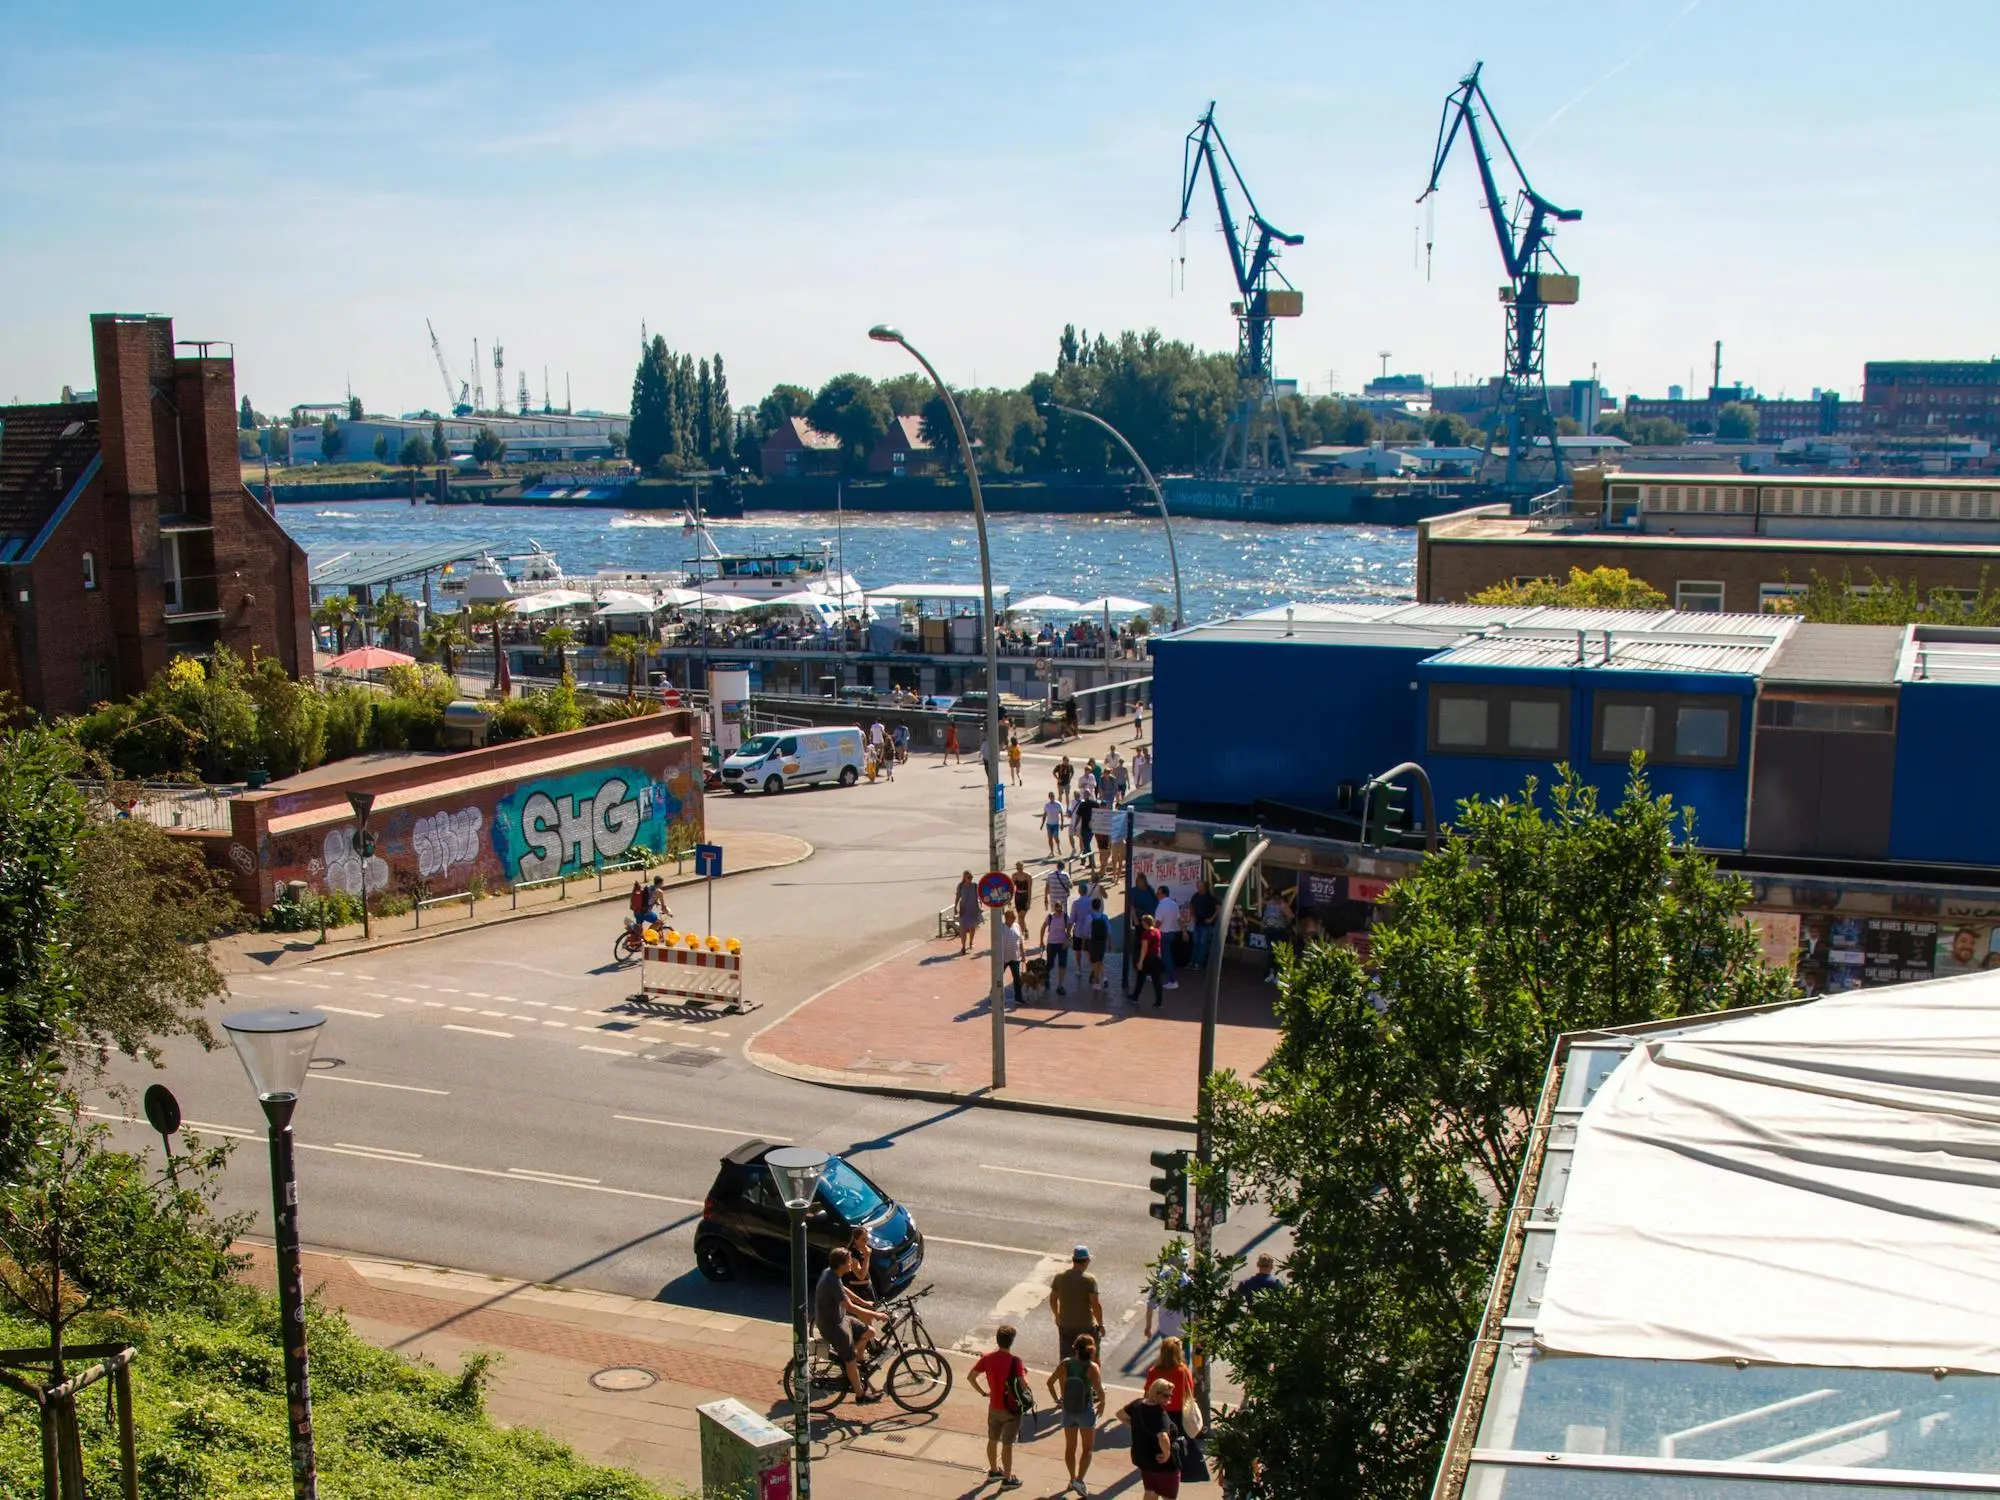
795 756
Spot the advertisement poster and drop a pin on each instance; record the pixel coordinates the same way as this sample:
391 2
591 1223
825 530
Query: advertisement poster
1966 949
1850 953
1180 873
1317 892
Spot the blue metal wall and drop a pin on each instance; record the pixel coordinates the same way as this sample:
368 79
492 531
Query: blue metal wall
1946 811
1286 721
1720 796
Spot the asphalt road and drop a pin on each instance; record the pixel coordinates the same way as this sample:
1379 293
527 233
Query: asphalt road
491 1101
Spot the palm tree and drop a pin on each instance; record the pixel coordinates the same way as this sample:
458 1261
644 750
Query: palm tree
559 638
630 650
489 618
445 636
392 613
332 613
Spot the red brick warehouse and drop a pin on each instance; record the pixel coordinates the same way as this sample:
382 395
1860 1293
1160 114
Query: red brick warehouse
127 537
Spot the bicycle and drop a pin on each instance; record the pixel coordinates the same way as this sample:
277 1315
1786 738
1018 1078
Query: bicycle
919 1378
631 940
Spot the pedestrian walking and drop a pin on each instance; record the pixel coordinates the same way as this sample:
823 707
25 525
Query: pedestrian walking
1065 774
1142 768
1010 953
1076 1388
1139 723
1014 759
1069 719
1074 1303
952 754
1171 1366
1055 893
1052 824
1149 966
1275 921
996 1375
1204 909
902 738
1250 1288
1055 946
1167 913
1162 1290
1079 930
887 751
1100 941
1082 819
1024 892
1069 811
1153 1443
966 900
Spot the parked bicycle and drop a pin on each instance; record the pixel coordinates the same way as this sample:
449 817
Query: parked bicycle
919 1377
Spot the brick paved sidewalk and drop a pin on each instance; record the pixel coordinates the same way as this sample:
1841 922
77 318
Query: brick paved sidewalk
918 1023
553 1340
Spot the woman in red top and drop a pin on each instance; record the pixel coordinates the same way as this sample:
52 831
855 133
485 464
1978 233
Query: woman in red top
1172 1367
951 751
1150 965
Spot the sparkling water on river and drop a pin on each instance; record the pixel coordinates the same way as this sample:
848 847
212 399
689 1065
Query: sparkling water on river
1227 567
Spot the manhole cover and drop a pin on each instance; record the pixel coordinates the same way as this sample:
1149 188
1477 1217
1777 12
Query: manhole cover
870 1063
624 1378
326 1064
689 1059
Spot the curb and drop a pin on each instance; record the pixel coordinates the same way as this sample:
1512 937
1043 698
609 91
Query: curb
598 898
1101 1112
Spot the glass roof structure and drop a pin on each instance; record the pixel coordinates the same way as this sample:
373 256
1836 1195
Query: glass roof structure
1752 1256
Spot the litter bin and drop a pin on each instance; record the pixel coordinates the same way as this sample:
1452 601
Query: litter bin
743 1457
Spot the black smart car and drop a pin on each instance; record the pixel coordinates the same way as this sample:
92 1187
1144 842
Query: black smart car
744 1222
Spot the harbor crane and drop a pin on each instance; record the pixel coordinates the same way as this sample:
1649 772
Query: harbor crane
499 378
1523 230
1258 425
457 395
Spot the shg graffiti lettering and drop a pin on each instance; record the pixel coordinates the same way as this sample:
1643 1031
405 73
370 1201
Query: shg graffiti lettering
563 830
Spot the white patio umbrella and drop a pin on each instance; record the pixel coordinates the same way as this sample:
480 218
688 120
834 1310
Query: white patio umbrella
546 600
1115 604
726 604
1042 604
626 602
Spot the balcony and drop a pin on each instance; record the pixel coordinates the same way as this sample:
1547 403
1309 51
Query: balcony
194 597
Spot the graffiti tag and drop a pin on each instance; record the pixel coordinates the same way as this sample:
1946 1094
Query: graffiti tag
445 839
345 869
556 831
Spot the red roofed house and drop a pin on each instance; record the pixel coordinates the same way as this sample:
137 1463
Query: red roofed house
127 537
798 450
902 450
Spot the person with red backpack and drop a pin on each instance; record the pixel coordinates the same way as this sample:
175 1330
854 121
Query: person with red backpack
1002 1379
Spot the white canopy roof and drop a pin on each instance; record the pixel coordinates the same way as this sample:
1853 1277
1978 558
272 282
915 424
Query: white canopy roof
546 600
970 591
1813 1186
726 604
1049 604
626 602
1118 604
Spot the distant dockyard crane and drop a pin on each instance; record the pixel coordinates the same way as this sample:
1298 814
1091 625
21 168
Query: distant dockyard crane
1258 425
499 378
457 397
478 386
1523 233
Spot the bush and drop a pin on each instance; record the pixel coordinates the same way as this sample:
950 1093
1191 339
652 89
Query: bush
349 711
515 719
291 719
336 908
406 724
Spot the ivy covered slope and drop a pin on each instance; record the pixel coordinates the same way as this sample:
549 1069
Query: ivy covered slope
209 1398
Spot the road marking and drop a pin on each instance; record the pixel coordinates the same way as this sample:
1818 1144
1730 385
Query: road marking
416 984
481 995
374 995
351 973
554 1176
711 1129
444 989
578 1184
463 1010
408 1088
548 1023
339 972
1131 1187
476 1030
614 1051
499 1013
382 1151
403 1000
570 1008
341 1010
435 1004
512 1000
938 1239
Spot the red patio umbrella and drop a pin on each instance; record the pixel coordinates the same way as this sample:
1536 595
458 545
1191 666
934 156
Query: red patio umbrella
369 659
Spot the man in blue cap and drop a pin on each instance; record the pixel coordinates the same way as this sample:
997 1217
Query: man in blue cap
1074 1303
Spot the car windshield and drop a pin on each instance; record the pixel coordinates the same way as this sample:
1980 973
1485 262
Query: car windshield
758 747
849 1194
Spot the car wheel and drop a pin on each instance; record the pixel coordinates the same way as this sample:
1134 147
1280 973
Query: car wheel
716 1259
773 785
848 776
736 791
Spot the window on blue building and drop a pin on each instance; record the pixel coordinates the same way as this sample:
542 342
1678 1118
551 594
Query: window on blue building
1667 728
1478 719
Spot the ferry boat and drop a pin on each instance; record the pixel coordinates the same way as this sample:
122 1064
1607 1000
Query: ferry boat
774 575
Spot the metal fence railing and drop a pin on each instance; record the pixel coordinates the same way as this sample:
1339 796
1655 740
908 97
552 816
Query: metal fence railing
1114 700
169 804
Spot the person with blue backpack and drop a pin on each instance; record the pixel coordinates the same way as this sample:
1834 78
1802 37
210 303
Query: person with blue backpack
1077 1387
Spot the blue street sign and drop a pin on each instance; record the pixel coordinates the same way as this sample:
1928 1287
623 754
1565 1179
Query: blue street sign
999 797
708 860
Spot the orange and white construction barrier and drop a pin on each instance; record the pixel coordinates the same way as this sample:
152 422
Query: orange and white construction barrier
700 969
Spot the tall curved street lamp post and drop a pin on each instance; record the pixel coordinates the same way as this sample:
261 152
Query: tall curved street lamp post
276 1048
996 824
1173 555
796 1171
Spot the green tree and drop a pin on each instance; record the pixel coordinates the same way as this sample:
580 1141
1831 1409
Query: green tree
559 638
490 618
488 447
1895 601
784 403
1389 1128
246 415
333 613
617 441
704 415
936 428
630 652
650 437
354 412
907 393
415 452
440 450
291 719
1600 588
331 439
851 408
722 418
393 614
381 447
1736 422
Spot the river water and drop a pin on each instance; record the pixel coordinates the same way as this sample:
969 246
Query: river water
1227 567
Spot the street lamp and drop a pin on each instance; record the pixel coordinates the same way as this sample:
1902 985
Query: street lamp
796 1170
276 1047
996 817
1173 556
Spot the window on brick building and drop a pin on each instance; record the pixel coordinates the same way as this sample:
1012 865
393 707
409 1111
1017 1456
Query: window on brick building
1702 594
89 571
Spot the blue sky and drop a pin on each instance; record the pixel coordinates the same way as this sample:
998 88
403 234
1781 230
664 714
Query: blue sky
1809 180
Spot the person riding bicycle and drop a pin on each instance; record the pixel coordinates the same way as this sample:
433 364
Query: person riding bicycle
845 1322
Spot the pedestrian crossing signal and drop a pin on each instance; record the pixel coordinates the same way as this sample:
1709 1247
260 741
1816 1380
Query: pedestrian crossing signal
1171 1187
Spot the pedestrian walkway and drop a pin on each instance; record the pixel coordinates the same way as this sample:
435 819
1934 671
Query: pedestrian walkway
917 1024
743 851
619 1379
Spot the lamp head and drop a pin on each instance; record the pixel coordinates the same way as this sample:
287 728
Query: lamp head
883 333
796 1170
276 1048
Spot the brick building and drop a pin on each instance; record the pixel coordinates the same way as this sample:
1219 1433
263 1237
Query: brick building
1930 398
798 450
1821 416
127 537
902 451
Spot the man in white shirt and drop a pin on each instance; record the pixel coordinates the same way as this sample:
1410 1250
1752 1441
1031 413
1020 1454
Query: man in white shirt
1168 915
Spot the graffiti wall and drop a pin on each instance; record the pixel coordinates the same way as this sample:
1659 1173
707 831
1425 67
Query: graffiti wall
502 826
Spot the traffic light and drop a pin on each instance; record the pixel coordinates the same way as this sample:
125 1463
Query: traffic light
1171 1186
1225 854
363 842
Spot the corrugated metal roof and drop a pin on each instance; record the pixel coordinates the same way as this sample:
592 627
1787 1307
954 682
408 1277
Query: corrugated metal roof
1306 632
1842 655
1633 653
1947 653
1313 609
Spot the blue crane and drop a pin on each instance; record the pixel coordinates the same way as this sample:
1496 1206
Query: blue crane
1253 249
1523 232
